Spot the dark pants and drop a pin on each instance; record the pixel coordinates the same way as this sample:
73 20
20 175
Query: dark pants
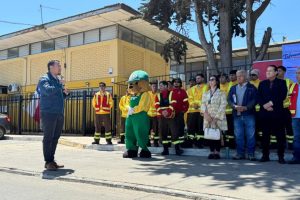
52 128
274 125
195 127
230 142
173 124
103 126
154 128
214 145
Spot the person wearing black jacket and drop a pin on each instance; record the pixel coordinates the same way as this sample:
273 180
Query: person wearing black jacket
271 94
242 98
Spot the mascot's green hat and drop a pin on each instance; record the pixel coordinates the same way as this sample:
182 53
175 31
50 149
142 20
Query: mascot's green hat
138 75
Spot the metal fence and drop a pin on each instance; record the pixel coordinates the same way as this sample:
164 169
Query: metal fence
78 113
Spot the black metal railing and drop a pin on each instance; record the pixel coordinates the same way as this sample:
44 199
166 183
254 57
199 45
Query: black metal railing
78 114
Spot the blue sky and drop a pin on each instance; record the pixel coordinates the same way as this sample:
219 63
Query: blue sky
281 15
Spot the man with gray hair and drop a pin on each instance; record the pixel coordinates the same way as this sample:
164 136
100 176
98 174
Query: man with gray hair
242 100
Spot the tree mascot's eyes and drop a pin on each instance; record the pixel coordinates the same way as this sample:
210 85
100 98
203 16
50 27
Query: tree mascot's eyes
131 85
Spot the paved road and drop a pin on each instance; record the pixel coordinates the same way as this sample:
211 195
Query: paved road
17 187
208 178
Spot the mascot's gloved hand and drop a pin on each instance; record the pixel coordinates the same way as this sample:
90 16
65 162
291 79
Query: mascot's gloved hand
130 111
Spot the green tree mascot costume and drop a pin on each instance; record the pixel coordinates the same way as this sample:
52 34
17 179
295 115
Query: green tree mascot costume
137 124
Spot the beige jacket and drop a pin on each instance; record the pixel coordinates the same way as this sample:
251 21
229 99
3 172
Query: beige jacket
216 108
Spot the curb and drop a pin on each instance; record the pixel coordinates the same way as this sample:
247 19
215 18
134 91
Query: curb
121 185
225 152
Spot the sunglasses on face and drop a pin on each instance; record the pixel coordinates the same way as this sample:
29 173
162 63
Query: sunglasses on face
253 75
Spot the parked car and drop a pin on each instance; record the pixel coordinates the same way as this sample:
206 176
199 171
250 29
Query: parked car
4 125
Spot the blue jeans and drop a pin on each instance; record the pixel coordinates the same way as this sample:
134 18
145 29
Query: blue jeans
244 126
52 128
296 144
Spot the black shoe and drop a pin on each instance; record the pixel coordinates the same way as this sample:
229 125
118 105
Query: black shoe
281 161
217 156
264 159
145 154
95 142
211 156
293 161
109 142
178 151
130 154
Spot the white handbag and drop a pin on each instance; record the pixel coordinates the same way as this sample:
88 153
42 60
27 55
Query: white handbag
212 134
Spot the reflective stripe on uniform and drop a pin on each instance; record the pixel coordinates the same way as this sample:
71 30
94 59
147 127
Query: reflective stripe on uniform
107 135
97 136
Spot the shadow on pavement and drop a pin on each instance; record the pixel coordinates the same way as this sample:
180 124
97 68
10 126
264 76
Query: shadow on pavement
56 174
230 174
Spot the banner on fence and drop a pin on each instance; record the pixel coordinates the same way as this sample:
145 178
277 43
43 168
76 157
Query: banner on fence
291 59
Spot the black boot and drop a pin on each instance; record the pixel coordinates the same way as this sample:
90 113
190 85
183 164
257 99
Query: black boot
108 141
122 141
130 154
96 141
165 151
178 151
145 154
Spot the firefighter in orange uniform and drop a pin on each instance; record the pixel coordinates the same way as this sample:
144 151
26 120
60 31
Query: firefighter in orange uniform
171 106
102 103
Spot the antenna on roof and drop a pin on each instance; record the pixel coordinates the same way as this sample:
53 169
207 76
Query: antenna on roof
41 10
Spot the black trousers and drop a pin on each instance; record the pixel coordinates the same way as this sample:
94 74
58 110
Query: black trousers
195 126
214 145
52 127
154 128
174 125
274 125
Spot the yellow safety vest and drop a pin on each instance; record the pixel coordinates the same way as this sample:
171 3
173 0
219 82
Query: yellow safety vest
152 111
287 101
224 87
124 105
195 97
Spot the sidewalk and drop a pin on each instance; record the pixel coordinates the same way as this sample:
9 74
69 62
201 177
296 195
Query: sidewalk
183 176
83 142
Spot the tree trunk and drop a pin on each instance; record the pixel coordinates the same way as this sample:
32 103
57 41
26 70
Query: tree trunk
264 44
207 46
251 19
225 33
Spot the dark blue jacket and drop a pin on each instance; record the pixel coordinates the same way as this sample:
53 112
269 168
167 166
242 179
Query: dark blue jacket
249 99
51 94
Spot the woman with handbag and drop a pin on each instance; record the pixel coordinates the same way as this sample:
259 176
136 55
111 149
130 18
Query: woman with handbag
213 108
